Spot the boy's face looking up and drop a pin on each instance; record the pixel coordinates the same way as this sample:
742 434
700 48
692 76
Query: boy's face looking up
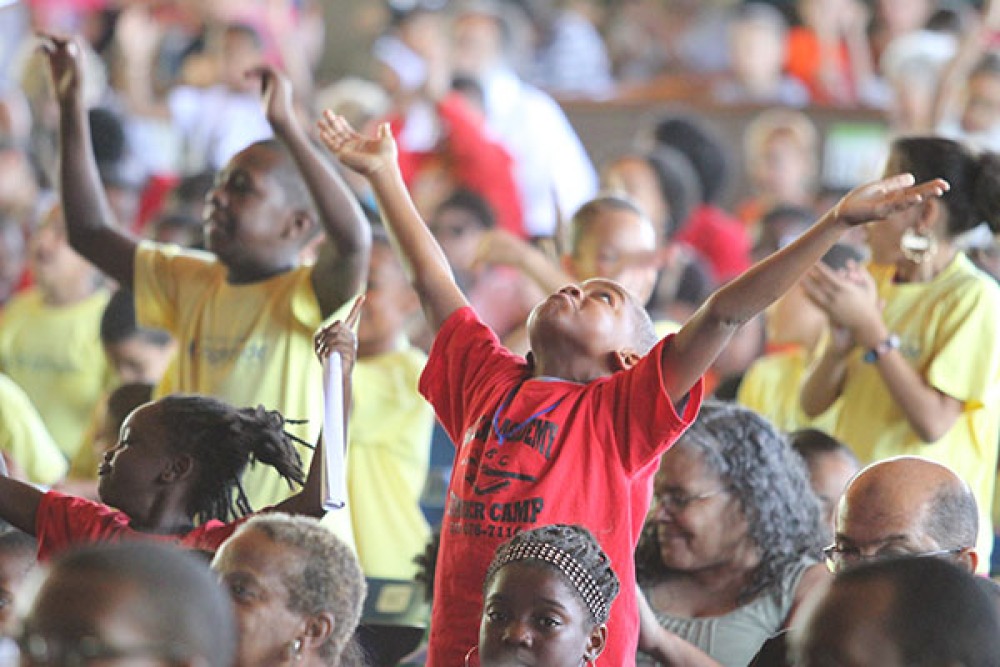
136 359
575 333
249 223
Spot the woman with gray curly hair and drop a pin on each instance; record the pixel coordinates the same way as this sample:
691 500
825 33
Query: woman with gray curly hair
297 589
732 543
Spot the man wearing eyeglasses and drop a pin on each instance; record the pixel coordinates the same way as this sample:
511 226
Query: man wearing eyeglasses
905 506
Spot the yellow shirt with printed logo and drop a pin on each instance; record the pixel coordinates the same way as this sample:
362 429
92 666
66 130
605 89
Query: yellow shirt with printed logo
24 438
388 457
949 330
248 344
54 354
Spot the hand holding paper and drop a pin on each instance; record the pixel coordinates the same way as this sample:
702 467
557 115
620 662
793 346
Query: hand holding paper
337 346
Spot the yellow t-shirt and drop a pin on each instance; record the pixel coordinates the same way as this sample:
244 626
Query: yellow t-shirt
248 344
24 438
54 354
771 385
388 456
949 330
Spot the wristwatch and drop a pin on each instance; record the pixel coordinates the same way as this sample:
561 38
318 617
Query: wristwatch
873 355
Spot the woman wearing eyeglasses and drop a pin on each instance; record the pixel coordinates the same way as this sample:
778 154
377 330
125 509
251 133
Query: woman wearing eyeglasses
732 544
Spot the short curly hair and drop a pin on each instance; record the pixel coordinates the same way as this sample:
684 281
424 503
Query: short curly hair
329 578
769 480
589 574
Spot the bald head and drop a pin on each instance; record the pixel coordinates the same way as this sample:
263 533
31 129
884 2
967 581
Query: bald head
907 505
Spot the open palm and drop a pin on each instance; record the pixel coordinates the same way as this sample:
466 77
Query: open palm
875 201
364 155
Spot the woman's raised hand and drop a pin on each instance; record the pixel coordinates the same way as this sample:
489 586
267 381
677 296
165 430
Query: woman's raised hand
65 64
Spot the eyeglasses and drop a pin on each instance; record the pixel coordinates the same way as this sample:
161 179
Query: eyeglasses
837 558
37 649
678 502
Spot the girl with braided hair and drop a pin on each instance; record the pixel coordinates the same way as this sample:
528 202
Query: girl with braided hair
175 473
547 598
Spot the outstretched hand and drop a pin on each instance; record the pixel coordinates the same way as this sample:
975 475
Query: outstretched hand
367 156
339 337
876 201
277 96
64 55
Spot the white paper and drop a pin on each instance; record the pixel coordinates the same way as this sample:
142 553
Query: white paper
334 464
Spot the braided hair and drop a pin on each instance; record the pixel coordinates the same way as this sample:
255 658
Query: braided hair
222 440
574 553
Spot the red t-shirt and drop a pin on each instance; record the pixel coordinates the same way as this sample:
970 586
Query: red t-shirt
64 521
573 453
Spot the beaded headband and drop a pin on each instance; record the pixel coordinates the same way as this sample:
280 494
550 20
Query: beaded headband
582 580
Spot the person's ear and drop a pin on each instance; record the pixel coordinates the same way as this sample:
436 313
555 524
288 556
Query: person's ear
318 629
968 559
622 360
298 225
177 468
596 642
930 211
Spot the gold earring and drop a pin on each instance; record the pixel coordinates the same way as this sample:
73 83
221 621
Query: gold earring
917 246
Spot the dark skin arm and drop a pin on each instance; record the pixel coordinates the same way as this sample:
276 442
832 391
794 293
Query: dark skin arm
338 337
342 266
90 224
18 501
425 263
702 338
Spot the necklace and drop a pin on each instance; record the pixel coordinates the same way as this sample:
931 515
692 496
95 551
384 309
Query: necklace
516 429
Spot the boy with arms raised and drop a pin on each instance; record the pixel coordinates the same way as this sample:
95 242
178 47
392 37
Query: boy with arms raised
572 433
244 318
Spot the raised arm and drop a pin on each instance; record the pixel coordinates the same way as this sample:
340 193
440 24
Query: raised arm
18 502
90 224
702 338
342 266
425 263
338 337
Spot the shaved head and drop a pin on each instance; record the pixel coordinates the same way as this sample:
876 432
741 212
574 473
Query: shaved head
909 501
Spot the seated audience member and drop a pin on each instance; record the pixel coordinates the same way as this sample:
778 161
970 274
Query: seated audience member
502 297
781 150
720 238
757 34
552 170
558 573
49 343
442 136
663 183
28 450
904 612
136 354
390 426
298 592
831 466
139 602
732 544
779 226
905 506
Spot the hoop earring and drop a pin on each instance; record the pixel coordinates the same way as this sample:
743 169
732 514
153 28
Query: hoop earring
917 247
468 656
